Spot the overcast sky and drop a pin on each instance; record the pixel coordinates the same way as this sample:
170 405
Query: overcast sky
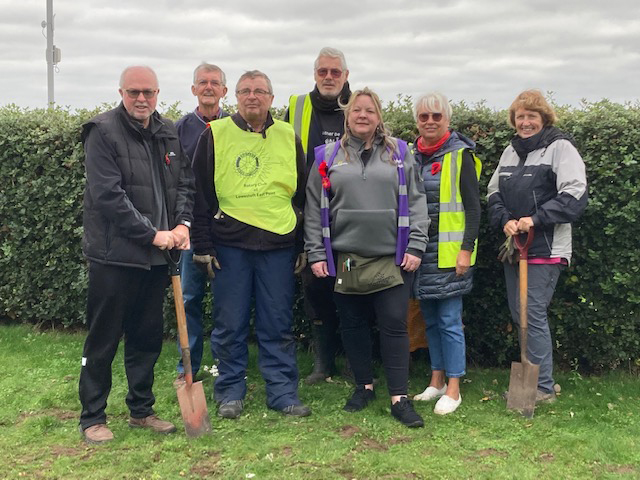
469 50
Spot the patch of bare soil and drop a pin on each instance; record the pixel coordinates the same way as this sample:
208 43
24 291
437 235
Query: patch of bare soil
370 444
546 457
401 475
287 451
621 469
348 431
58 413
487 452
207 467
399 440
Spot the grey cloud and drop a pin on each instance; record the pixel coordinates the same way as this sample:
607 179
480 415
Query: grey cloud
471 50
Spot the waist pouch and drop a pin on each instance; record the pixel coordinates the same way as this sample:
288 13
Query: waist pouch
358 275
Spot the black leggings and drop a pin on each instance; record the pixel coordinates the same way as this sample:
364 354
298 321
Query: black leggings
389 307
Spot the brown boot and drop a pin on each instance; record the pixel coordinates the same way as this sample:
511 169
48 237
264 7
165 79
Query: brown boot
95 434
152 422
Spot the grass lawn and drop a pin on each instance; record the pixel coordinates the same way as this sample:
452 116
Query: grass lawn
592 431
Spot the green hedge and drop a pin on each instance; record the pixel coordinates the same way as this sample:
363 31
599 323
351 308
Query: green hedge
594 314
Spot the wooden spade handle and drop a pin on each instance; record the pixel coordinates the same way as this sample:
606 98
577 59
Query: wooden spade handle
524 288
181 317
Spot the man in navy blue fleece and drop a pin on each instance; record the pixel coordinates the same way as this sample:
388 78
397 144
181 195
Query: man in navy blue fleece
209 86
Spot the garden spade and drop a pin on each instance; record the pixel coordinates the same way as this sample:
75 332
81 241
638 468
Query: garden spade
523 382
191 398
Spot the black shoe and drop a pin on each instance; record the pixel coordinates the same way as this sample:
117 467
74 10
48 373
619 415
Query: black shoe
403 411
360 399
296 411
230 409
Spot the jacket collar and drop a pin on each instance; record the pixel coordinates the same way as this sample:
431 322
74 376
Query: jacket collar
241 123
157 126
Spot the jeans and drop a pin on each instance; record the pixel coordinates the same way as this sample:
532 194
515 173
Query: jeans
542 280
267 276
447 348
194 283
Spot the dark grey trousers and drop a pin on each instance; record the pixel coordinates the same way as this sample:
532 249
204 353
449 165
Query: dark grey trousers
542 280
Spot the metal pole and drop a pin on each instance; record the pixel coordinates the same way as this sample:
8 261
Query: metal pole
50 53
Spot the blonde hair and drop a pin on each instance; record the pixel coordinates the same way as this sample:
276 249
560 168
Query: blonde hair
532 100
389 142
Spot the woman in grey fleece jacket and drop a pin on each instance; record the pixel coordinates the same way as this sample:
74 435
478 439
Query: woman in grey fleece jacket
363 196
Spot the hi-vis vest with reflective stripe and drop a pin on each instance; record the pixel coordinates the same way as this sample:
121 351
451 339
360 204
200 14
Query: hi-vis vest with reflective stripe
451 217
255 178
300 117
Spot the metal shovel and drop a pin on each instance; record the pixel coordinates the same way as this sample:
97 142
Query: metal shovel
523 382
193 403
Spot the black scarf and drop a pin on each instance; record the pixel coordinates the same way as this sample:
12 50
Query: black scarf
326 105
542 139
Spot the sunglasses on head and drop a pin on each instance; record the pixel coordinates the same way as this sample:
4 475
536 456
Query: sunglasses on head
335 72
148 94
424 117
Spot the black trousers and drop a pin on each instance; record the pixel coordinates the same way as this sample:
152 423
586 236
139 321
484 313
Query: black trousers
121 300
389 307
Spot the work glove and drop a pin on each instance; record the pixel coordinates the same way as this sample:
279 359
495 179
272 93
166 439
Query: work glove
301 262
206 264
508 252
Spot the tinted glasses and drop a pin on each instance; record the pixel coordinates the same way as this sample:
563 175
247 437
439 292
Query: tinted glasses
424 117
148 94
334 72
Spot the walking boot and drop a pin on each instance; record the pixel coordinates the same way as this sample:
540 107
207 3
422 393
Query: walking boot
323 366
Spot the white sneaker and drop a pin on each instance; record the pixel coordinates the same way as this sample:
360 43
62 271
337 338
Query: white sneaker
431 393
447 405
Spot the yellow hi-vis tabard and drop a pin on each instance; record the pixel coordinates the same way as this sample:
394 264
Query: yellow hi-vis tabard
256 177
300 109
451 218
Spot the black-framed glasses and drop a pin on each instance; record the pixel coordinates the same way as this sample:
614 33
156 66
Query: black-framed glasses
258 92
148 94
424 117
335 72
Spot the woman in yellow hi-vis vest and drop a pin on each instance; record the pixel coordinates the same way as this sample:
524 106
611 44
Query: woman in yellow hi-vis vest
450 172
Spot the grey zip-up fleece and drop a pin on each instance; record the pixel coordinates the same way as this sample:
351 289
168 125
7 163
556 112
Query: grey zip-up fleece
363 205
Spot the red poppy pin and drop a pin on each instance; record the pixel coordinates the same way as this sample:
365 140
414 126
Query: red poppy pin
322 168
167 160
435 168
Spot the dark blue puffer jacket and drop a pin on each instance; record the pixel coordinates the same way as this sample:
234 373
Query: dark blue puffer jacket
431 282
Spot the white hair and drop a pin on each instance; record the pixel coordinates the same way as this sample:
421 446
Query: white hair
433 102
210 67
333 53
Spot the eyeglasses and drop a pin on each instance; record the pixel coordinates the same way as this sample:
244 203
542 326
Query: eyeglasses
335 72
258 92
148 94
424 117
213 83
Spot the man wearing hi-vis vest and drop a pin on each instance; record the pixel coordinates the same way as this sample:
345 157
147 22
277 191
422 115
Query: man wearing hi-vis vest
250 183
318 119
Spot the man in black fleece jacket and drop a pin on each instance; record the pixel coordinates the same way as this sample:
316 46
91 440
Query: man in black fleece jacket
318 119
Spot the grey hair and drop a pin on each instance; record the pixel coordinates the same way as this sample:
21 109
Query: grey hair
131 67
333 53
253 74
433 102
209 67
